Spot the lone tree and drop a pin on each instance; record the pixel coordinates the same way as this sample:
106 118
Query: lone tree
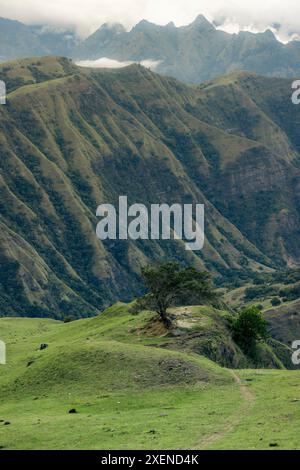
249 327
169 284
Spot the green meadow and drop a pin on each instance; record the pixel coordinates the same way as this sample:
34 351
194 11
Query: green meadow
133 388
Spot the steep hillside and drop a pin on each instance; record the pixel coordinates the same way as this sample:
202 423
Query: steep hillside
73 138
267 289
259 190
284 322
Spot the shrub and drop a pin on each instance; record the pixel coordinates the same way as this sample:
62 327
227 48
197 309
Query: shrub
249 327
69 318
276 301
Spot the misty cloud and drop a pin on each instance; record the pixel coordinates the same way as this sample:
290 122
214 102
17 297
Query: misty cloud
86 17
104 62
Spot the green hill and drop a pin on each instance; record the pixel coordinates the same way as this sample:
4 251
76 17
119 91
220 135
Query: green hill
73 138
134 386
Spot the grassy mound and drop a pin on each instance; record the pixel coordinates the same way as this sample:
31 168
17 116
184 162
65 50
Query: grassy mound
111 366
108 352
125 392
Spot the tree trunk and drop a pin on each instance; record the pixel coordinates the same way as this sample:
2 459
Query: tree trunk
165 319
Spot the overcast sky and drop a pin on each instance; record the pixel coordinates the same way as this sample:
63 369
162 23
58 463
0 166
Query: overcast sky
88 15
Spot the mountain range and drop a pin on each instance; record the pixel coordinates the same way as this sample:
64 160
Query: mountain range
72 138
192 53
18 40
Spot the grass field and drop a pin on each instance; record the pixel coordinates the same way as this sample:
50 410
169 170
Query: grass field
130 392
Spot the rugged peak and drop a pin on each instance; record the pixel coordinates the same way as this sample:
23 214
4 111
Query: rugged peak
202 23
113 27
269 34
171 25
144 24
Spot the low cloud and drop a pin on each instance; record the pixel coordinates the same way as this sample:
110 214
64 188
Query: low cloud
86 17
105 62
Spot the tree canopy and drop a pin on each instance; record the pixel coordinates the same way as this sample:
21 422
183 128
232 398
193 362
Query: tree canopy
169 284
249 327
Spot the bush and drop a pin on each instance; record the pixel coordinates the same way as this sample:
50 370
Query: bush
276 301
259 292
69 319
291 293
249 327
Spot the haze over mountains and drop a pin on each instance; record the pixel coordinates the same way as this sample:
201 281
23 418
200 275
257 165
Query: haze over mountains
72 138
18 40
192 53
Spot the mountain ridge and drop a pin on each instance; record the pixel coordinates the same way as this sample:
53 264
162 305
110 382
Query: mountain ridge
193 53
72 138
196 52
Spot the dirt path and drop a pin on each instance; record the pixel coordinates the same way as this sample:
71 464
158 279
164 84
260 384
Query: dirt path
249 399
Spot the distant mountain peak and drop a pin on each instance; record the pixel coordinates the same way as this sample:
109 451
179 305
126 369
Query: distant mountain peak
7 20
171 25
203 23
267 36
144 24
269 33
115 27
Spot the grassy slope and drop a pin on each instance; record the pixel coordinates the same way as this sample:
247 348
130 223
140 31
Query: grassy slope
273 417
128 393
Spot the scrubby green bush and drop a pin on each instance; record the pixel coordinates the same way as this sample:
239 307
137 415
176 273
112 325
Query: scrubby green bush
249 327
276 301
